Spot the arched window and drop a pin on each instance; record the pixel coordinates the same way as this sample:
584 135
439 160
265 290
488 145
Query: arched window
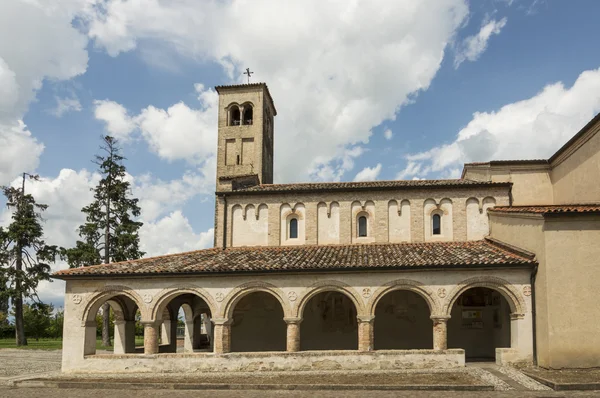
436 221
362 226
248 114
235 117
294 228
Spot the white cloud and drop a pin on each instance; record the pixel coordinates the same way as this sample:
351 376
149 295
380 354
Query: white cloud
332 75
118 122
388 134
43 45
368 173
473 46
173 234
181 132
24 152
65 105
529 129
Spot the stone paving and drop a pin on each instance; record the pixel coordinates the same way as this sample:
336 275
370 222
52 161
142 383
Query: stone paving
25 364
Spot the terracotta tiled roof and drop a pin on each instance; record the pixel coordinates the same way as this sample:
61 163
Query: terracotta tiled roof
349 186
481 253
508 162
593 208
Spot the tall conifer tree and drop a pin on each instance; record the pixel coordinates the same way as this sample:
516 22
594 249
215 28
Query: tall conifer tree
110 232
24 256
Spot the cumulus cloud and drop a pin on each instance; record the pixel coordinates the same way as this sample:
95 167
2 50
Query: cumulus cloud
388 134
118 122
471 48
43 45
333 76
173 234
532 128
368 173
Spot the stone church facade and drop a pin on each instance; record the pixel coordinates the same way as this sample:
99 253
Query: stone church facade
501 265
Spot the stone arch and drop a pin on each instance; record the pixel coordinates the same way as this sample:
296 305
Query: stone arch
228 305
330 286
404 284
100 296
506 289
166 295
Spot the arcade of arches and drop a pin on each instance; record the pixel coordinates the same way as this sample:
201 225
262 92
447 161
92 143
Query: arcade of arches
479 321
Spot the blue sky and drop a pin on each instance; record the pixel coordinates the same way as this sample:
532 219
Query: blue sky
364 90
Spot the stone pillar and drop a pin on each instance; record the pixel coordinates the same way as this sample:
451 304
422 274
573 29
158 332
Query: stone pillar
440 332
150 337
222 334
365 332
89 336
188 337
293 334
165 332
208 326
120 340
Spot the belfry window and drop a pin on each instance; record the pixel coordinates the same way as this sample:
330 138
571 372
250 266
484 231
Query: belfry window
293 228
234 116
248 114
362 226
436 223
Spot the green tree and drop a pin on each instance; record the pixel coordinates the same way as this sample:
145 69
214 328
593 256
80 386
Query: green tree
111 232
24 256
38 319
56 324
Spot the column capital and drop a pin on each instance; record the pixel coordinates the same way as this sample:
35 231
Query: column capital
292 320
221 321
516 315
440 318
365 318
154 323
119 322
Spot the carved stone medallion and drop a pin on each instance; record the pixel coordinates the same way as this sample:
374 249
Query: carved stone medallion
292 296
76 298
527 290
441 292
219 297
147 298
366 292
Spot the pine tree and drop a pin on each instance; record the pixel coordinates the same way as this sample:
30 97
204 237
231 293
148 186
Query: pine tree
110 232
24 256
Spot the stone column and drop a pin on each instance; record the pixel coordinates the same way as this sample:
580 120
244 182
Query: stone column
293 334
440 333
222 334
150 337
365 332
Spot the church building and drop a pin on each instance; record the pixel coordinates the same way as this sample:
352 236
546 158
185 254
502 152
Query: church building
502 265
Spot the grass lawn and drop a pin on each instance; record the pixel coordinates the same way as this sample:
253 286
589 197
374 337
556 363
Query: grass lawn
55 344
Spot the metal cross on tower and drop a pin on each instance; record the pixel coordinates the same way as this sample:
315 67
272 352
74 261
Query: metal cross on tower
248 73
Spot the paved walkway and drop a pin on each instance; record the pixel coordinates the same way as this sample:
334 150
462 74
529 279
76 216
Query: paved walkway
75 393
20 365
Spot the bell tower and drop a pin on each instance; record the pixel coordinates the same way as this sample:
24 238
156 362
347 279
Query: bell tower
245 141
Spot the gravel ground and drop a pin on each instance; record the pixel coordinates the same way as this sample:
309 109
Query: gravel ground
76 393
28 362
522 379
